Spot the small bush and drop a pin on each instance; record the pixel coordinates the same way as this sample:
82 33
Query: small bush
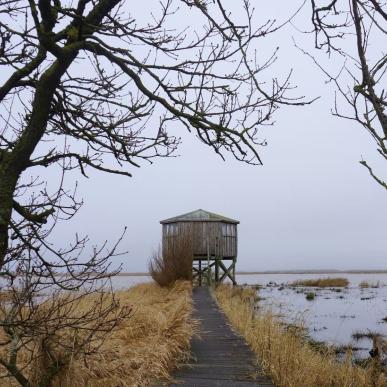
174 263
310 296
322 282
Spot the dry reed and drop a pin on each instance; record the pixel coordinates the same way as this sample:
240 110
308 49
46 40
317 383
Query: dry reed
322 282
145 347
366 284
284 354
174 262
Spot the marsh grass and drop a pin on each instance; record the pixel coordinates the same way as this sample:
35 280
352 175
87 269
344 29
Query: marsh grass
310 296
367 284
359 335
145 347
286 355
322 282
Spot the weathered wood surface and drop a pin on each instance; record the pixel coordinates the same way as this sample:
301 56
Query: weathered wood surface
220 357
216 239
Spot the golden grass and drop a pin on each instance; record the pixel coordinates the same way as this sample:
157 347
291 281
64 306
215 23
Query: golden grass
284 354
145 347
5 296
322 282
367 284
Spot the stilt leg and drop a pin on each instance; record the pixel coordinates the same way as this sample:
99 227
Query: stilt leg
200 273
233 270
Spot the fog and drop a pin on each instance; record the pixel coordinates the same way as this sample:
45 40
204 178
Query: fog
310 206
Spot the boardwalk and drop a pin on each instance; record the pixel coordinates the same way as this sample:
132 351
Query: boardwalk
220 357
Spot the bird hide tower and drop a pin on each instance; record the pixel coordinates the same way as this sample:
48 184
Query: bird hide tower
214 241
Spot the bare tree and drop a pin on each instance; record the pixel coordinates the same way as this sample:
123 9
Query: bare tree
87 85
356 30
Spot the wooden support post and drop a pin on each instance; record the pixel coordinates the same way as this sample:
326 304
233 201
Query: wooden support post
233 270
216 270
227 272
208 269
208 262
209 274
224 268
200 272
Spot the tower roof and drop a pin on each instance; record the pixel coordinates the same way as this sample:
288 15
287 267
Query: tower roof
199 216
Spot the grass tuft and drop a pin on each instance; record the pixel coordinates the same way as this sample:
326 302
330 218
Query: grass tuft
359 335
366 284
310 296
322 282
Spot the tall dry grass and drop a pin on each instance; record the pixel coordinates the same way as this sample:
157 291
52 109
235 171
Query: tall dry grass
367 284
144 347
284 354
322 282
174 262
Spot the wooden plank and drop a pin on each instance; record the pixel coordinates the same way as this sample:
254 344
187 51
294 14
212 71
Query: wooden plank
220 357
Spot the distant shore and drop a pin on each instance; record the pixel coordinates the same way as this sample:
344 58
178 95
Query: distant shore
364 271
360 271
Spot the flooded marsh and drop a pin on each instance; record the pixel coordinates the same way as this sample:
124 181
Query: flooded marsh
345 317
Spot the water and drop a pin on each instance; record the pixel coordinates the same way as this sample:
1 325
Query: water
125 281
333 316
354 279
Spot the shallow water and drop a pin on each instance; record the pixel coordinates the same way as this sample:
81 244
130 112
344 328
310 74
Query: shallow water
125 281
335 314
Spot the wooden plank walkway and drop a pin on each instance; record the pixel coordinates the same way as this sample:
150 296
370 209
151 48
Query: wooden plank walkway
221 357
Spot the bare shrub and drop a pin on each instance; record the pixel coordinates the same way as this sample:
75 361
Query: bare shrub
174 262
41 335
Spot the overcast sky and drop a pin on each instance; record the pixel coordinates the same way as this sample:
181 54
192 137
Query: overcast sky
310 206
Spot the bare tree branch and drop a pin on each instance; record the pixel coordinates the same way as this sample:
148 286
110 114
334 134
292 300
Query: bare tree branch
362 79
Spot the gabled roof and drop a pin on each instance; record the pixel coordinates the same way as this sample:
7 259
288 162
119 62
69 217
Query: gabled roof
199 216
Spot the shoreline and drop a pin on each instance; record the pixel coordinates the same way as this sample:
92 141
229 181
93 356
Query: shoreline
329 271
332 271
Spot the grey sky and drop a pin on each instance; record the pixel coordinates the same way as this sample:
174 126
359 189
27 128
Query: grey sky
310 206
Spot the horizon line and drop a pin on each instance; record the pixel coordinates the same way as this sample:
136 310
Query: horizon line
297 271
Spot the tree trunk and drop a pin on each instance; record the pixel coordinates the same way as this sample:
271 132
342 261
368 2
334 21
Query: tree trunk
14 162
8 180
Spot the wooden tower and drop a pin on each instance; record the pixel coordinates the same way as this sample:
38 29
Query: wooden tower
214 243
